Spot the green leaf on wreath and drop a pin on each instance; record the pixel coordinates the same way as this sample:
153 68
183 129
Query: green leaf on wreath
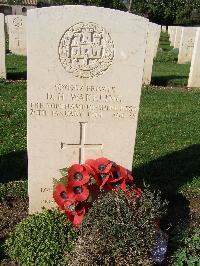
64 171
64 180
90 198
92 180
55 182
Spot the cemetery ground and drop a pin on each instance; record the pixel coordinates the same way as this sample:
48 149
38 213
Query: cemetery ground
167 151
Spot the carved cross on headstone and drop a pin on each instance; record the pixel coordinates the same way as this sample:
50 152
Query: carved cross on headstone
82 146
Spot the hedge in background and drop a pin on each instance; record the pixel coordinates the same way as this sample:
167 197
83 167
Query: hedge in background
41 239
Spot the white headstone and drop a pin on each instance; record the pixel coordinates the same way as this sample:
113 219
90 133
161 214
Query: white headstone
177 38
164 28
186 44
2 48
169 30
194 77
172 35
17 34
85 67
157 38
152 37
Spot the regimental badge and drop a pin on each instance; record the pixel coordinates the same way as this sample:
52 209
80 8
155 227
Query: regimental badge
17 22
86 50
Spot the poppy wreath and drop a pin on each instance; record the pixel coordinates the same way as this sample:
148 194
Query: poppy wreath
81 183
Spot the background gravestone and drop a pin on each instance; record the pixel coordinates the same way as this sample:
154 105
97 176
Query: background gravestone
16 26
177 38
152 37
2 48
194 77
157 37
186 44
85 69
172 35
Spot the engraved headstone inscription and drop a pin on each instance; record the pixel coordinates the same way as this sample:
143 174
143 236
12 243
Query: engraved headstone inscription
194 77
152 37
16 26
186 44
2 48
85 67
177 38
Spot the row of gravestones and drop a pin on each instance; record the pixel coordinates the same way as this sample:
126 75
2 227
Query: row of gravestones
187 40
16 29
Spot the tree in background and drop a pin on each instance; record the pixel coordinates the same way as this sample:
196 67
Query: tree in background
115 4
165 11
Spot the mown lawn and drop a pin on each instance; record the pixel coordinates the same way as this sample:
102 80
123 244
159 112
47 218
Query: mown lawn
167 150
166 70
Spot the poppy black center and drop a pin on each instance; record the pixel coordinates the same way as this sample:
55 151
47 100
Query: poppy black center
78 176
101 167
63 195
102 176
77 190
116 174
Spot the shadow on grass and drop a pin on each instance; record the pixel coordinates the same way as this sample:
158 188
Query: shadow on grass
13 166
169 80
17 75
168 174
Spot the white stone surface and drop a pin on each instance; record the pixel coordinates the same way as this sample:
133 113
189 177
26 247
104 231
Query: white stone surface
186 44
85 67
164 28
172 35
169 30
151 48
2 48
17 34
177 38
157 38
194 77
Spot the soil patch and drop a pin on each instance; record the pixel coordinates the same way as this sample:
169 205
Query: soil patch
195 211
12 211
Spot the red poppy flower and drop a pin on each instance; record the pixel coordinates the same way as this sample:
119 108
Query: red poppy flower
76 216
60 195
102 168
129 178
69 206
117 178
117 183
89 169
78 175
100 165
77 193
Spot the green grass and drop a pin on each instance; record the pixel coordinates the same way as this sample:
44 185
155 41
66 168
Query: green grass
13 131
16 67
164 42
167 151
166 70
